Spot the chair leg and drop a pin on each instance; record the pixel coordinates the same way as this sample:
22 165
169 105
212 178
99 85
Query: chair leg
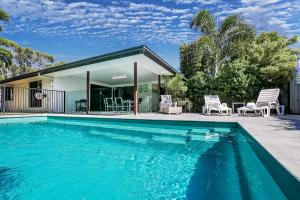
268 112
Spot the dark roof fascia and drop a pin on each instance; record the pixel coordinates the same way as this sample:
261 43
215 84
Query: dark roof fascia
97 59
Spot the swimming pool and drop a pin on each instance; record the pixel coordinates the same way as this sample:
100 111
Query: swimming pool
86 158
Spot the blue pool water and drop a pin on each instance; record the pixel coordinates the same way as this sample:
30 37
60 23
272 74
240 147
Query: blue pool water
65 158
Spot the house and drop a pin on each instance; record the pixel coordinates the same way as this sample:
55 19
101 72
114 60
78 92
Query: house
133 74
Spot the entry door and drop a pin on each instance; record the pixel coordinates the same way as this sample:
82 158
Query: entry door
35 94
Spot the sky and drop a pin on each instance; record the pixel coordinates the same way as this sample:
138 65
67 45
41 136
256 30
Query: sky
75 29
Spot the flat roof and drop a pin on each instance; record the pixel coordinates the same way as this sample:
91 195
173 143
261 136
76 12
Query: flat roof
143 49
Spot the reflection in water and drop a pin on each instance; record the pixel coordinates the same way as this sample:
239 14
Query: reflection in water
10 180
214 177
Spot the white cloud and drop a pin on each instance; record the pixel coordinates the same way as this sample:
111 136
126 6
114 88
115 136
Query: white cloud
260 2
182 25
245 10
59 18
280 22
205 2
138 21
268 15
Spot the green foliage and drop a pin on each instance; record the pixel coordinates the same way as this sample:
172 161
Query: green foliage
204 22
233 82
3 17
217 45
15 59
197 56
199 85
176 87
27 58
274 59
57 64
233 61
234 37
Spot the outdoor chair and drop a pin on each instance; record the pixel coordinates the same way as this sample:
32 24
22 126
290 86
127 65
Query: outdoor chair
119 104
109 104
267 100
213 103
166 105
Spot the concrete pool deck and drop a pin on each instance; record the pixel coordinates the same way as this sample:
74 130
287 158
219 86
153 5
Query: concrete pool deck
280 136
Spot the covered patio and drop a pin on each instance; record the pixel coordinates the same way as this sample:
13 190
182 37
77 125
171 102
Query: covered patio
127 81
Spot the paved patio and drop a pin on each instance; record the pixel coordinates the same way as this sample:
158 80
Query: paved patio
280 136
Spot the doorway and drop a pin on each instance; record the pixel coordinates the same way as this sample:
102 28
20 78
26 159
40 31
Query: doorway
98 93
35 94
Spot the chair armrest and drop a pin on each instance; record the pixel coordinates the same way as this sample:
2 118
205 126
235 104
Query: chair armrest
273 103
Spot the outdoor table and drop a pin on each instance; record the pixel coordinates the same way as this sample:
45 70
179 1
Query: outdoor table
185 104
240 104
81 105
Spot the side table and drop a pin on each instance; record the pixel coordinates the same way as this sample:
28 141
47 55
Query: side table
239 104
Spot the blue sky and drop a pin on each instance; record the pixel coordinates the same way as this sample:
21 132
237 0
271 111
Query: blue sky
71 29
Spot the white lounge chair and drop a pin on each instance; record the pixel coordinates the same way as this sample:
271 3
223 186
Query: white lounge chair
267 100
166 105
213 103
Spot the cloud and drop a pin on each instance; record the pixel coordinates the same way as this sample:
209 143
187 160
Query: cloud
277 15
260 2
110 20
280 22
139 21
205 2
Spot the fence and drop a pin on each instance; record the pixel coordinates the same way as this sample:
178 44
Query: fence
31 100
295 92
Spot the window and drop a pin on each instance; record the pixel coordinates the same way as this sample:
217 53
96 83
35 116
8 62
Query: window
9 93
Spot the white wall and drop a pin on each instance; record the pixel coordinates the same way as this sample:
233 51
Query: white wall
75 88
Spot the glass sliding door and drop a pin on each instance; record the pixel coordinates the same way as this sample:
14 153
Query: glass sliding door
98 94
125 92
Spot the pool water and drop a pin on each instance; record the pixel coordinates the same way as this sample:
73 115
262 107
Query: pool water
72 158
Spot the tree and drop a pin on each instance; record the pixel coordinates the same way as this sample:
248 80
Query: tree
27 59
197 56
55 64
199 85
6 55
176 86
221 44
233 83
234 62
274 60
15 59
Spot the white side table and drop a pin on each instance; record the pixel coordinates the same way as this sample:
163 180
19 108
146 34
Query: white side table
240 104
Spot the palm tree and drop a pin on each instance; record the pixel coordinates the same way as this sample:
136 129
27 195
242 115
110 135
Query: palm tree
223 43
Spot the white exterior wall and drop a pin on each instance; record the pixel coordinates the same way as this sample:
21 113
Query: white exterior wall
75 88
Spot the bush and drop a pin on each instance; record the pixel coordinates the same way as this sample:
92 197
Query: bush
176 87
